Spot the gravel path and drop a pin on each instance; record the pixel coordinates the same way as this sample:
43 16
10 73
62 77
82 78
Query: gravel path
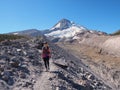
43 82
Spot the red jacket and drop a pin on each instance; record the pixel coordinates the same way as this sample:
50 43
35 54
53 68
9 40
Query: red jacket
46 52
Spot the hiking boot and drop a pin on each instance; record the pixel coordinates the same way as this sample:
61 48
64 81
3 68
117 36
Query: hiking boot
48 68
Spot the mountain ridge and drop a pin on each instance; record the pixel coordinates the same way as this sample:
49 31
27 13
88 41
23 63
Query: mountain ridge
66 30
28 32
63 28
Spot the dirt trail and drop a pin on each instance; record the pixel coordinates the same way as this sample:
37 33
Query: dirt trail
43 82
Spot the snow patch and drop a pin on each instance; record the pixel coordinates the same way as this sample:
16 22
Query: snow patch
67 33
76 37
15 33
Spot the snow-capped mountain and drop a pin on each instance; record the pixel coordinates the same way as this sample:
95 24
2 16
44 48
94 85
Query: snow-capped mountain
68 30
65 29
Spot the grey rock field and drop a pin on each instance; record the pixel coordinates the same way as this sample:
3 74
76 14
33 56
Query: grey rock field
21 68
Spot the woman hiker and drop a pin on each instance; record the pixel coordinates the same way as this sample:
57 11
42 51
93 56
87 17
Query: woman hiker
46 55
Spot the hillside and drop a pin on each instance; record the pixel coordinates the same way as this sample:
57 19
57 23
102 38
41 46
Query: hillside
116 33
4 37
21 68
100 53
29 32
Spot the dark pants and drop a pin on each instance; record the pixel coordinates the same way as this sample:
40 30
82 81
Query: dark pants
46 62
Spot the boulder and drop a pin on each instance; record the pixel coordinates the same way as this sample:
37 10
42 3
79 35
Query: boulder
10 81
22 75
91 77
14 64
5 77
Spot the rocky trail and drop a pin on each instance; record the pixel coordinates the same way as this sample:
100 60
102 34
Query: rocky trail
21 68
43 82
66 74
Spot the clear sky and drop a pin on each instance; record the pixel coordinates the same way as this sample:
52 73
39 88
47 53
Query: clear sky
15 15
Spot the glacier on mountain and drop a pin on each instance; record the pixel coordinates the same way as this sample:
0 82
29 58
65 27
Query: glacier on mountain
69 32
65 29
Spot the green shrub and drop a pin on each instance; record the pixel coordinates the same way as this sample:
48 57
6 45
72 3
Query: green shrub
116 33
4 37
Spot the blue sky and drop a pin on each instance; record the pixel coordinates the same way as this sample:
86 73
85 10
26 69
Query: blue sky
15 15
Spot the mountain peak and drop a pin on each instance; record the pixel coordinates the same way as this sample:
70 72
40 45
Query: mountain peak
62 24
64 20
65 28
